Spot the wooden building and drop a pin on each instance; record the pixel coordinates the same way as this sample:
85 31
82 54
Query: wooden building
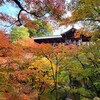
65 38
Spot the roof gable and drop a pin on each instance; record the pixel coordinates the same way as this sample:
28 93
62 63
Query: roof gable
69 33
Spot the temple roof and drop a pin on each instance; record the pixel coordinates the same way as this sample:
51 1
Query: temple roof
69 33
48 37
56 38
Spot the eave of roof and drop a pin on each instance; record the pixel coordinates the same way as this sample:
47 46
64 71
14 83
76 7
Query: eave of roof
48 37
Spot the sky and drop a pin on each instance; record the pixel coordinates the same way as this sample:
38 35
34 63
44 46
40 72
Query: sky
7 8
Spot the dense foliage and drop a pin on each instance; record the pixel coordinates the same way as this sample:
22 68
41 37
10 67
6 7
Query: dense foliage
40 71
33 9
86 12
19 33
41 28
31 71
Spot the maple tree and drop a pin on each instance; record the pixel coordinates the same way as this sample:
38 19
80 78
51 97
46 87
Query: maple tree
75 68
83 10
36 8
19 33
41 28
85 13
10 63
19 72
40 71
47 71
81 75
57 59
89 10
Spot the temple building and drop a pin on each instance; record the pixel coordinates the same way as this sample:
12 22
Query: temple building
69 37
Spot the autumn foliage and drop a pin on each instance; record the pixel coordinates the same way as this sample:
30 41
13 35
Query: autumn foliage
32 71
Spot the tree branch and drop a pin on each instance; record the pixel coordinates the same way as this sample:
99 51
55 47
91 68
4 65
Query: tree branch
19 5
22 9
19 17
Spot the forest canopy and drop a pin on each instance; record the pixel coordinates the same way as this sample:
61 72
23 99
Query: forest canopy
32 71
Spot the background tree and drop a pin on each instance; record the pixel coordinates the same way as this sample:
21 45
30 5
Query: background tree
19 33
42 28
84 12
49 72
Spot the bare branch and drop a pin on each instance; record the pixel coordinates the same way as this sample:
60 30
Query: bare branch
19 5
19 17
